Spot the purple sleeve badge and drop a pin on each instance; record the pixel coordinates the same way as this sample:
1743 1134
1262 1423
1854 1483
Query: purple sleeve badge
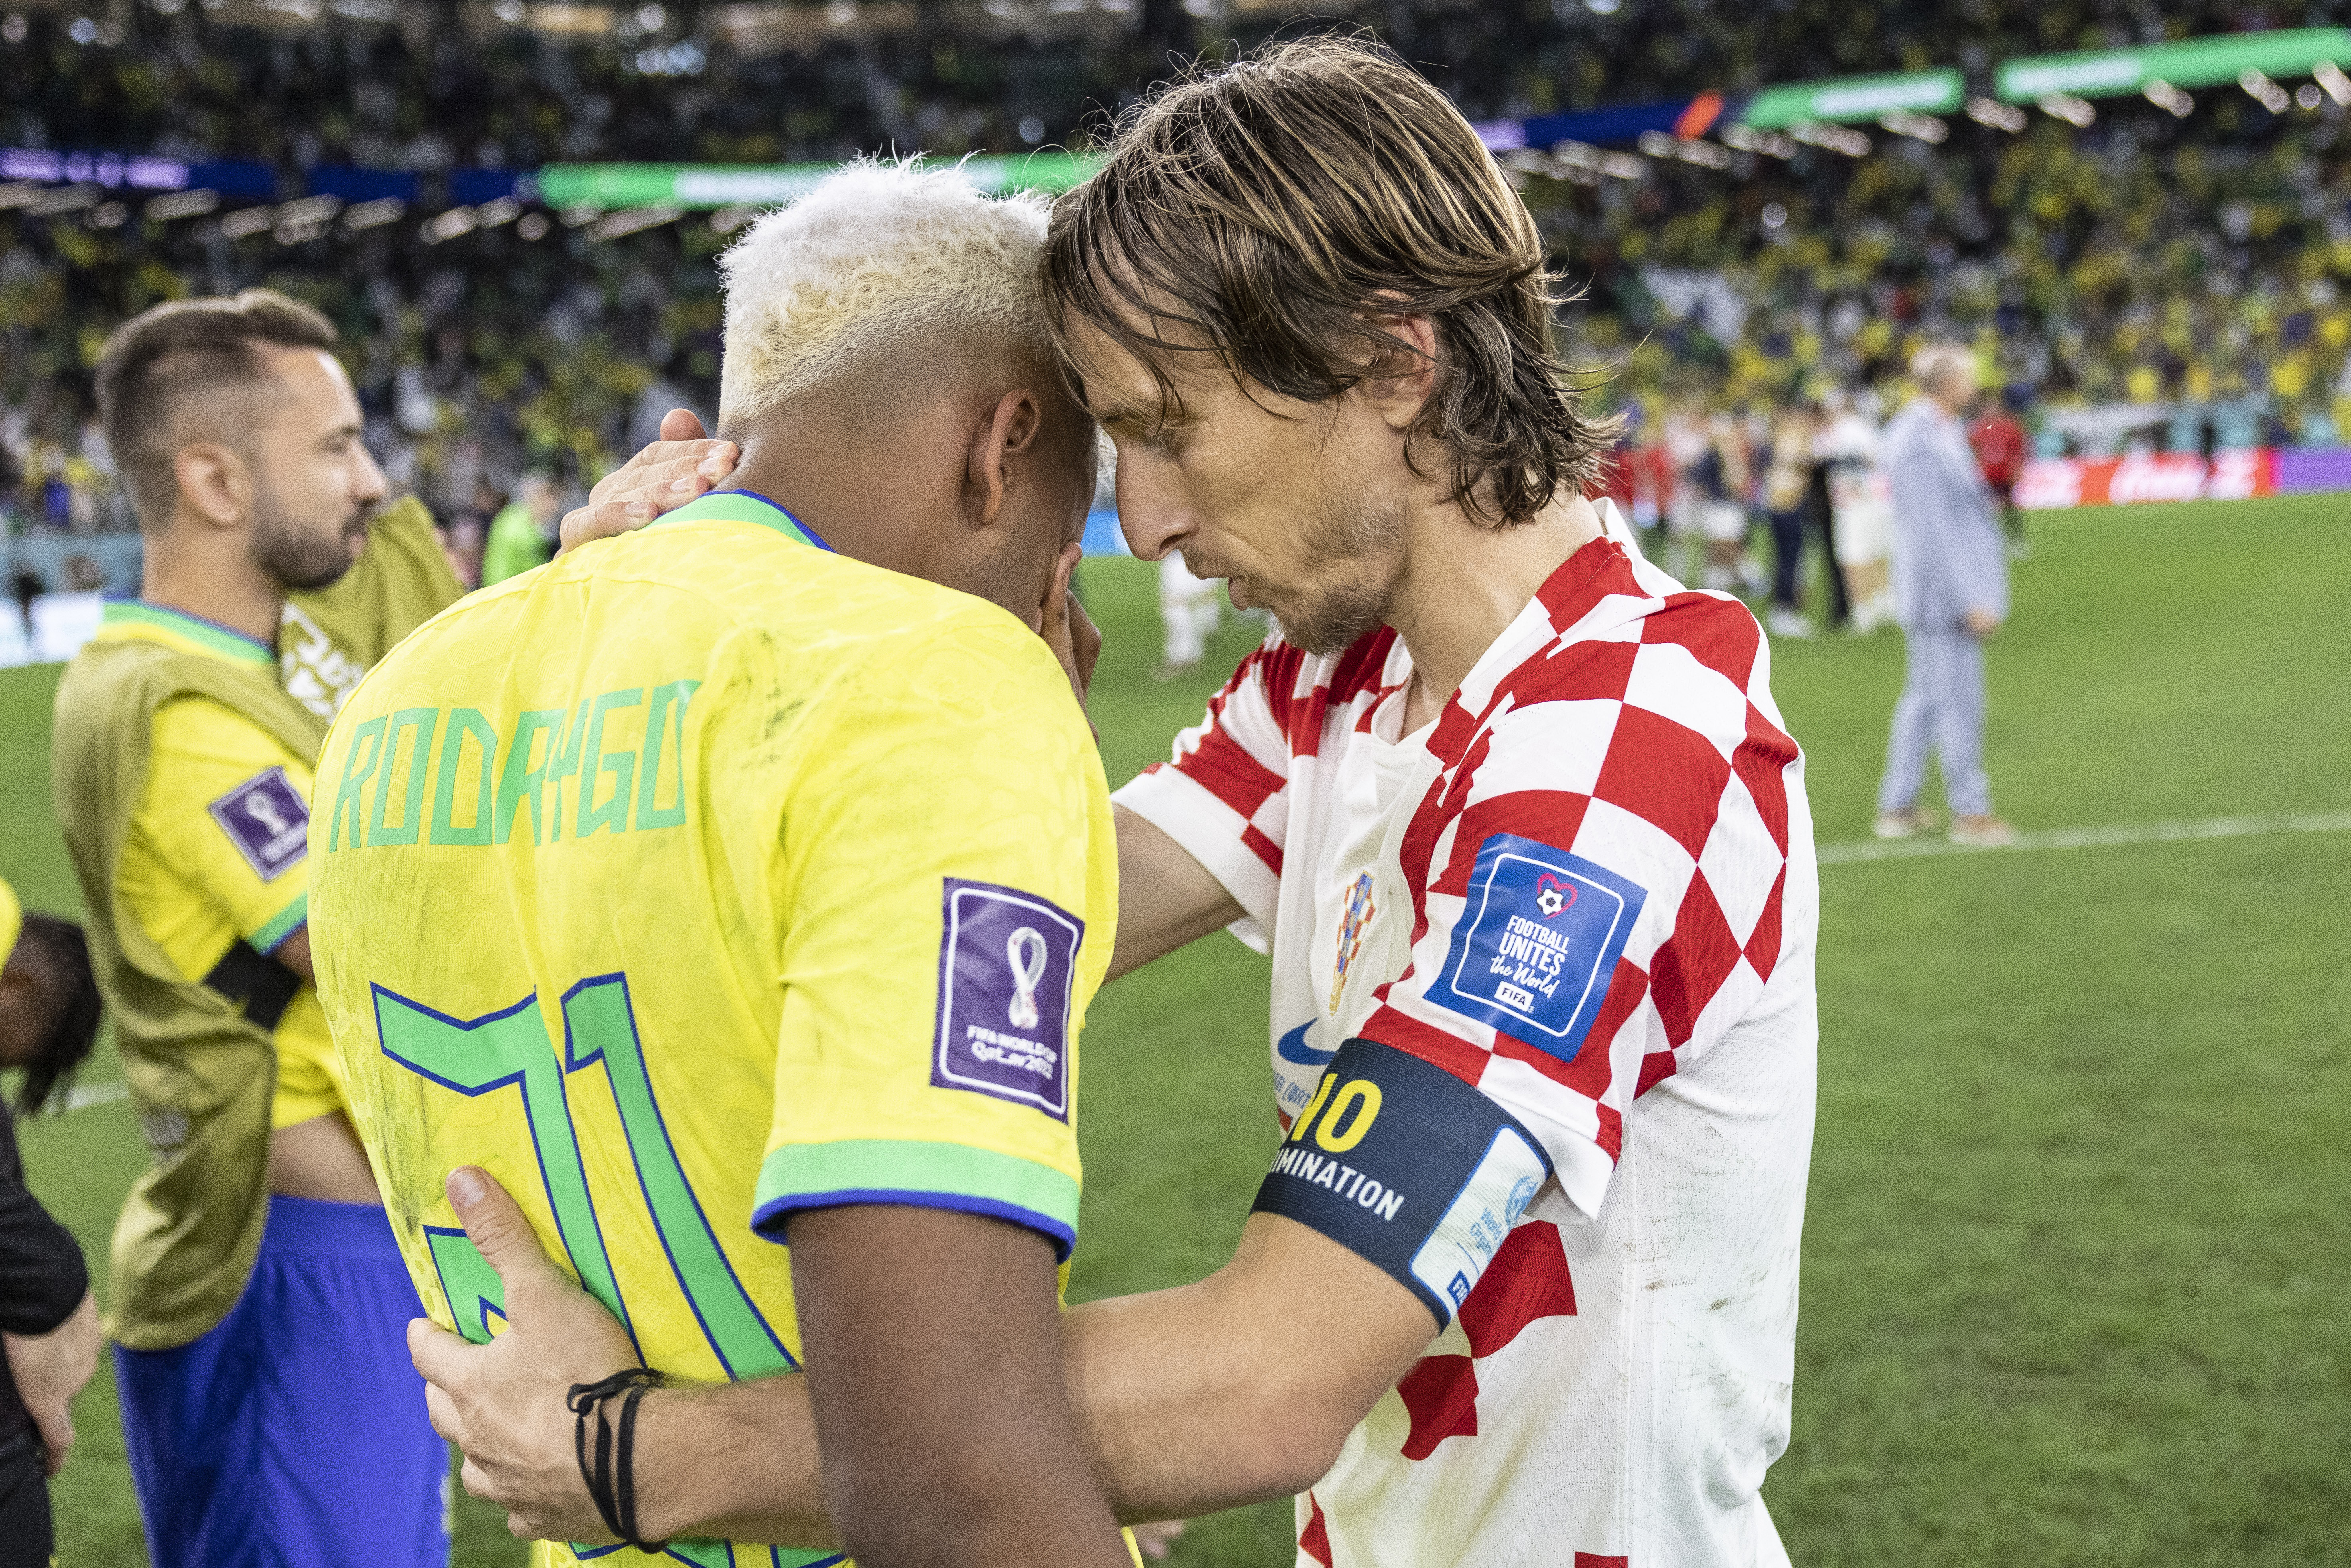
1008 966
265 819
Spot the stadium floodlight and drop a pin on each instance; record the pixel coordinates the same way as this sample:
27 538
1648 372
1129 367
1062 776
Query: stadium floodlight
578 213
1584 156
375 215
2308 96
19 193
534 226
2074 111
1834 137
634 220
1535 160
1918 127
2331 77
513 13
174 204
300 222
1748 138
2264 92
445 227
247 221
733 216
496 212
2172 100
64 199
310 210
1998 116
1685 150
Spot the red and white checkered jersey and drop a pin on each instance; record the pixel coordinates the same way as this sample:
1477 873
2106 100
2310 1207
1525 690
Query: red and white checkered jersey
1588 889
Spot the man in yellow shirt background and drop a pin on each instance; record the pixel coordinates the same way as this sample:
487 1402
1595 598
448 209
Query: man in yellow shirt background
258 1297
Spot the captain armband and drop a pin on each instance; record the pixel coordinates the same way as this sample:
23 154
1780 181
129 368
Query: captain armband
1404 1164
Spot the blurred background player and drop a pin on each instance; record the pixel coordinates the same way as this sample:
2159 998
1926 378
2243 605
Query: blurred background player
522 535
258 1299
1952 585
1724 481
1189 608
1786 495
49 1316
876 813
1860 522
1999 443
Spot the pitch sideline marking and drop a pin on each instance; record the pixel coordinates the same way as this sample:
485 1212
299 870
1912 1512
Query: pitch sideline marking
1847 854
2094 838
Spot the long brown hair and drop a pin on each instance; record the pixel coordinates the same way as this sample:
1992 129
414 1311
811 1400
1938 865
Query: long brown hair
1265 210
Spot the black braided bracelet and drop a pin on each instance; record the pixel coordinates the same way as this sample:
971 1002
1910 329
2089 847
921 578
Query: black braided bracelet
611 1480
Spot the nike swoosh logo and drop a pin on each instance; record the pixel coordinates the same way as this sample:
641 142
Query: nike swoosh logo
1292 1047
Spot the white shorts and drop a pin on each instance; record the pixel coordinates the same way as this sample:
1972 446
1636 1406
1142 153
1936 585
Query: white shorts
1863 533
1722 522
1681 515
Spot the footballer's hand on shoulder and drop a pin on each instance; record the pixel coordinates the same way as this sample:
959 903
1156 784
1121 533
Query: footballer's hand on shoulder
505 1404
684 464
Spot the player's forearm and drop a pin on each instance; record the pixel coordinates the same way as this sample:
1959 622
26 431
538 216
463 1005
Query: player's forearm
1181 1422
1244 1386
736 1462
1237 1389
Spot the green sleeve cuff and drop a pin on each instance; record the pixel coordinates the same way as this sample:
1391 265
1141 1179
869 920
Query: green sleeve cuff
284 924
926 1175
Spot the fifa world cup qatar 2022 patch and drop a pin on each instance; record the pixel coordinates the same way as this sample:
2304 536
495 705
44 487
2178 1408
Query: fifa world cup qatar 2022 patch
1008 968
1539 936
265 819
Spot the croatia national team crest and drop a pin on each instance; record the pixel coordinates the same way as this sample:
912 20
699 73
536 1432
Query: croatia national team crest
1538 939
265 818
1352 921
1007 966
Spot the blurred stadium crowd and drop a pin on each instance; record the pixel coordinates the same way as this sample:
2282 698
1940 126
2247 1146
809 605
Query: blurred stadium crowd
2192 268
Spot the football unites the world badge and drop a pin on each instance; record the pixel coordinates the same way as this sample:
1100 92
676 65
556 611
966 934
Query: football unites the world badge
1538 937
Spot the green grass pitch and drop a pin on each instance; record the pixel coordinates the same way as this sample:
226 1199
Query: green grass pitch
2077 1248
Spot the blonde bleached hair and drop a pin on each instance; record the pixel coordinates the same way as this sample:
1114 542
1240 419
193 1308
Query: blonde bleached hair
881 256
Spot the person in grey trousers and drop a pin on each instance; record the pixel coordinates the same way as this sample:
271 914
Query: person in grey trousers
1950 585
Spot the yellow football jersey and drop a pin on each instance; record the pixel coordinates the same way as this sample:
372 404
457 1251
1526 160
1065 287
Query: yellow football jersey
700 877
217 848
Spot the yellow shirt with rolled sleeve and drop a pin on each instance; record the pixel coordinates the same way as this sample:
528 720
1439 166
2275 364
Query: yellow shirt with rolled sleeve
217 851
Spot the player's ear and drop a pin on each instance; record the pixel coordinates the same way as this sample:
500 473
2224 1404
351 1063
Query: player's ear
1401 378
215 481
998 442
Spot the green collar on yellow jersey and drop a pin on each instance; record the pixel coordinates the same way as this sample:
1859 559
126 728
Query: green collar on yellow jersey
135 618
746 506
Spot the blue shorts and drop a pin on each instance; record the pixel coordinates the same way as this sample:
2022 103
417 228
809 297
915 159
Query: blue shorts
294 1434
